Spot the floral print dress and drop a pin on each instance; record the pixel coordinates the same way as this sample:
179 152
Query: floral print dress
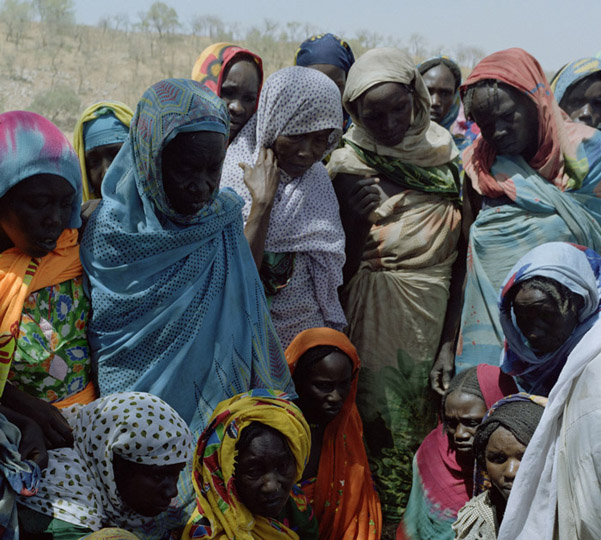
52 360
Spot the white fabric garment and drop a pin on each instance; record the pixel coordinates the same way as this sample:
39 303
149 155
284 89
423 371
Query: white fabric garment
78 486
579 459
305 216
531 509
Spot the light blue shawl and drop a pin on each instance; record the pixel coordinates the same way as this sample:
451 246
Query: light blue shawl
178 306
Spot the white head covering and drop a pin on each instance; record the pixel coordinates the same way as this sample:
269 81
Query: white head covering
305 215
79 484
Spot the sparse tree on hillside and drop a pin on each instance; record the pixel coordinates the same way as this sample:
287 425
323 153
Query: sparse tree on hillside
16 16
469 56
57 13
417 47
161 18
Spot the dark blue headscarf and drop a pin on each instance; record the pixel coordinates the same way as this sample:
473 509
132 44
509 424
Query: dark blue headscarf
325 49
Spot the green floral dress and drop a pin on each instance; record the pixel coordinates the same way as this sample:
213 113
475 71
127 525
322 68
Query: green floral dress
52 359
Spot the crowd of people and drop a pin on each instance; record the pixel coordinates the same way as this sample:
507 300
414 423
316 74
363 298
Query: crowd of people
356 300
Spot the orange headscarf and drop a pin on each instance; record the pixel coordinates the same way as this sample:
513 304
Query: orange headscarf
558 138
20 275
346 504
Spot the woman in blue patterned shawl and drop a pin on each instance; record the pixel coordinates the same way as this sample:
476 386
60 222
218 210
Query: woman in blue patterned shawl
179 309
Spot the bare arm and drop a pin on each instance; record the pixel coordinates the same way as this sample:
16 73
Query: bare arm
444 366
358 197
262 181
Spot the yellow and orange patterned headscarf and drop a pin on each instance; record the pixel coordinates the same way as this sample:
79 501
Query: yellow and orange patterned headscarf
215 462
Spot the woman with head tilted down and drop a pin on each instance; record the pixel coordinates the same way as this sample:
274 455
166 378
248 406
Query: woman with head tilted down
444 463
246 464
122 472
178 308
291 215
550 306
236 76
337 479
532 177
43 310
397 184
499 446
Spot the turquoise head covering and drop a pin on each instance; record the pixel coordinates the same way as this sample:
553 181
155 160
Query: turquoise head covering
178 305
30 145
105 129
167 108
572 73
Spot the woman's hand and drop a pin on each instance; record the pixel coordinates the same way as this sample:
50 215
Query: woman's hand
32 445
364 197
442 370
263 179
56 429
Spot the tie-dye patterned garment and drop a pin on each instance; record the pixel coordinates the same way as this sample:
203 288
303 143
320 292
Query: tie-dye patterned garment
553 198
397 300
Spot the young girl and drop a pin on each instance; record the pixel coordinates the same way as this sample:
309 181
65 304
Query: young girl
337 480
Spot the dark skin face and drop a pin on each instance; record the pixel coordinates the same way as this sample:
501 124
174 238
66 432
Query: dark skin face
98 160
508 120
463 414
441 86
325 387
385 112
34 213
503 456
333 72
539 318
265 473
146 489
240 91
191 169
296 154
582 101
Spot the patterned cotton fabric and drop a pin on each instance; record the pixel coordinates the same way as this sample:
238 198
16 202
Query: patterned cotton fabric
31 145
552 198
215 463
178 306
406 266
52 360
305 218
79 484
212 63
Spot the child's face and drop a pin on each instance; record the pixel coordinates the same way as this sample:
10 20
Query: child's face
325 387
503 457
